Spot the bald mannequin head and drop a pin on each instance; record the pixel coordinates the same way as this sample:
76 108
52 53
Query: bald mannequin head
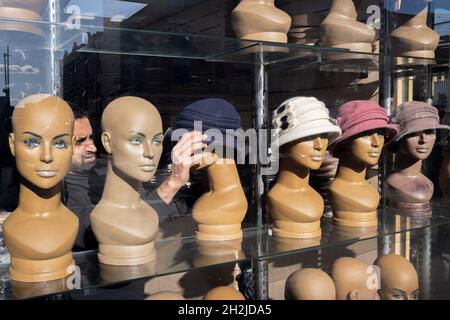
309 284
132 135
399 280
354 280
165 295
223 293
42 139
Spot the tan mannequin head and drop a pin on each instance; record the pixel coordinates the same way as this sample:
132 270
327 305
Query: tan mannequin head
42 139
418 145
132 135
165 295
307 152
354 280
365 148
399 280
223 293
309 284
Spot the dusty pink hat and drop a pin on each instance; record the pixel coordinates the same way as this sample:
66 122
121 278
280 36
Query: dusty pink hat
414 116
358 116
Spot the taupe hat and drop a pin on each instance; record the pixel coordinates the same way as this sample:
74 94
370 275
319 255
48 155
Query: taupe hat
414 116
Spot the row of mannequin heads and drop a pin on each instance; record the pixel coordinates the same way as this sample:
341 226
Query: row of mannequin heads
132 135
296 207
391 277
124 224
261 20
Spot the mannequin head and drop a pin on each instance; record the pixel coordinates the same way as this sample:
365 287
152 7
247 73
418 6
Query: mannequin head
366 147
309 284
42 139
354 280
132 135
399 280
165 295
307 152
223 293
418 145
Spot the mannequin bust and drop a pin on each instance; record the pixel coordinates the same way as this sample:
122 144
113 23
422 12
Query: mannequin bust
304 128
399 280
310 284
165 295
223 293
124 224
408 190
294 205
353 199
40 233
354 280
260 20
415 38
220 211
342 30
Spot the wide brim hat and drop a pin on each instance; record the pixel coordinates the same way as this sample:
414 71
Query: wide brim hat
360 116
302 117
415 116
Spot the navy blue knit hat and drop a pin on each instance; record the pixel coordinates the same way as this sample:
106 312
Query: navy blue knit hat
214 113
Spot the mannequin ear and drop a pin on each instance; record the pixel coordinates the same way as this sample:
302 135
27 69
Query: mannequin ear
11 144
106 141
353 295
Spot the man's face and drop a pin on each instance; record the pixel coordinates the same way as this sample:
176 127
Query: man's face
83 158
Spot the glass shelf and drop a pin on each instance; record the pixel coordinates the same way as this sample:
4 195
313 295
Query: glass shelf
185 254
110 40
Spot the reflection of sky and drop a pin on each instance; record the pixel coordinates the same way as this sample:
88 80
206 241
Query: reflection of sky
119 10
442 21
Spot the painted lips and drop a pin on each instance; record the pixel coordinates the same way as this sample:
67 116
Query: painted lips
46 173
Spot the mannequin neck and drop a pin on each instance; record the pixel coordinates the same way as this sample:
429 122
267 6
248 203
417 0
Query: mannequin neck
266 2
292 175
121 190
407 165
223 175
345 8
35 200
420 19
351 170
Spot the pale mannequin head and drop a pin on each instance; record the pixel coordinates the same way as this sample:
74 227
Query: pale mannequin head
42 139
132 135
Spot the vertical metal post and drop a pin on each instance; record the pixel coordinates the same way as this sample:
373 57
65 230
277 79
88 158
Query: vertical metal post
386 83
54 67
424 263
260 266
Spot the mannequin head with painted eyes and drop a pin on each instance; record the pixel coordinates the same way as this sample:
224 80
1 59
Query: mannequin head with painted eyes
307 152
132 136
417 145
42 139
399 280
365 148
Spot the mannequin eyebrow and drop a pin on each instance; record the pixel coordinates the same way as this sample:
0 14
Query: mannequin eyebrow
33 134
138 133
61 135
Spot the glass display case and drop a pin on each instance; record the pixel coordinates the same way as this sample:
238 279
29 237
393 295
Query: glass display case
174 53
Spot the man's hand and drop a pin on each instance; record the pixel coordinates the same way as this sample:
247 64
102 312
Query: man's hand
185 154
